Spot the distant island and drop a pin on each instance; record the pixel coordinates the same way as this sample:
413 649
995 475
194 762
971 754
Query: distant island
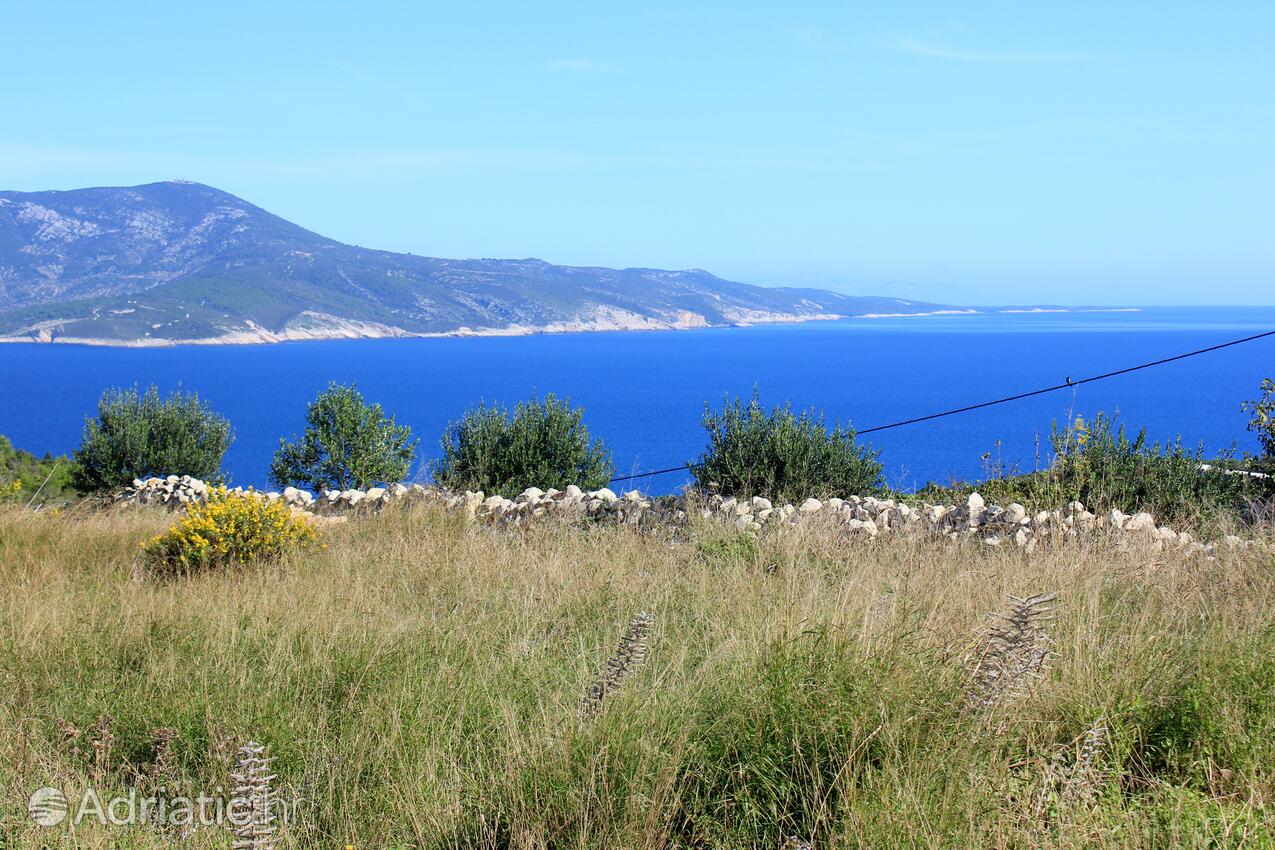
180 262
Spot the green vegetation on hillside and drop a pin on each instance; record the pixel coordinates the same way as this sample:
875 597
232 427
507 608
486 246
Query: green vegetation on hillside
1262 419
425 682
777 454
1101 465
25 478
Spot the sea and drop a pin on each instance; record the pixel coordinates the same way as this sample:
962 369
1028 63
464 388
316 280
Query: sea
645 393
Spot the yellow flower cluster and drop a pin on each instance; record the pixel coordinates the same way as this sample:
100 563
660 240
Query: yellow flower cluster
231 528
1080 431
11 492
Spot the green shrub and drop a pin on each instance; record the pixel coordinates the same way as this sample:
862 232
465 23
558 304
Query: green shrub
1262 422
1100 464
230 529
543 444
782 456
347 443
25 477
138 435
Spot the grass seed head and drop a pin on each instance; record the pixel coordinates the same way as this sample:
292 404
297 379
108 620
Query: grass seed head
1014 653
628 656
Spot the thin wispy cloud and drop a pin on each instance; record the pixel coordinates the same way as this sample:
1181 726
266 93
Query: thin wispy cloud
353 72
580 66
931 50
810 37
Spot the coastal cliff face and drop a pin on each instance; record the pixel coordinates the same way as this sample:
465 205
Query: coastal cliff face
181 262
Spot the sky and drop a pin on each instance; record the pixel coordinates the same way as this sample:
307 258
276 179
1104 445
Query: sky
1082 152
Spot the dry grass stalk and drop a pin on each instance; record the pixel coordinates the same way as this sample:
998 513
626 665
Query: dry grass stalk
70 736
164 769
630 653
1015 652
1066 786
102 742
221 747
69 730
1087 776
251 805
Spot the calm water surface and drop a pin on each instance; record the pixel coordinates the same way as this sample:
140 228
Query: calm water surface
644 393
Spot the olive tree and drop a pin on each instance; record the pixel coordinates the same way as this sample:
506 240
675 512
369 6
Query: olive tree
782 455
347 443
138 435
541 444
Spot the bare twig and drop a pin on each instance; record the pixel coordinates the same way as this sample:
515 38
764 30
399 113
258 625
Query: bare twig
36 494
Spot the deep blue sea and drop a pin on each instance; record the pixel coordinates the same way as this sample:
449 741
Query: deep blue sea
644 393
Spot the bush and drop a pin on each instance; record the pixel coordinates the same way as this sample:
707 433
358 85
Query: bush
782 456
1262 422
544 444
1099 464
230 529
11 493
141 435
347 443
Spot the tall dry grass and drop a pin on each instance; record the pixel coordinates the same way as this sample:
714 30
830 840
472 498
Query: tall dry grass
420 681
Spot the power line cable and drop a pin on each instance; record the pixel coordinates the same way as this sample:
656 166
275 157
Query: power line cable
1067 383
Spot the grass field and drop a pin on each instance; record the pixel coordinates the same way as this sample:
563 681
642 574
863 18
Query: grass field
419 682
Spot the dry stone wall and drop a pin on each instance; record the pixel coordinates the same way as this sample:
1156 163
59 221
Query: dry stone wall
856 517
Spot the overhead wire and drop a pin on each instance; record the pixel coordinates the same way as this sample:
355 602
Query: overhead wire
1067 383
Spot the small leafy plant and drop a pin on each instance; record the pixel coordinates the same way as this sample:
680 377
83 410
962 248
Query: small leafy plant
138 435
230 529
1262 421
543 444
782 455
728 548
347 443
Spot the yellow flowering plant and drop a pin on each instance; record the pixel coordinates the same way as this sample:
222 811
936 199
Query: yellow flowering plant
230 529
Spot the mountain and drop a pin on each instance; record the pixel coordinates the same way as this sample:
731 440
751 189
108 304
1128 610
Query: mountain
183 262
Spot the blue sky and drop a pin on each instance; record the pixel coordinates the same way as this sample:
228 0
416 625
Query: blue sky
1078 152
